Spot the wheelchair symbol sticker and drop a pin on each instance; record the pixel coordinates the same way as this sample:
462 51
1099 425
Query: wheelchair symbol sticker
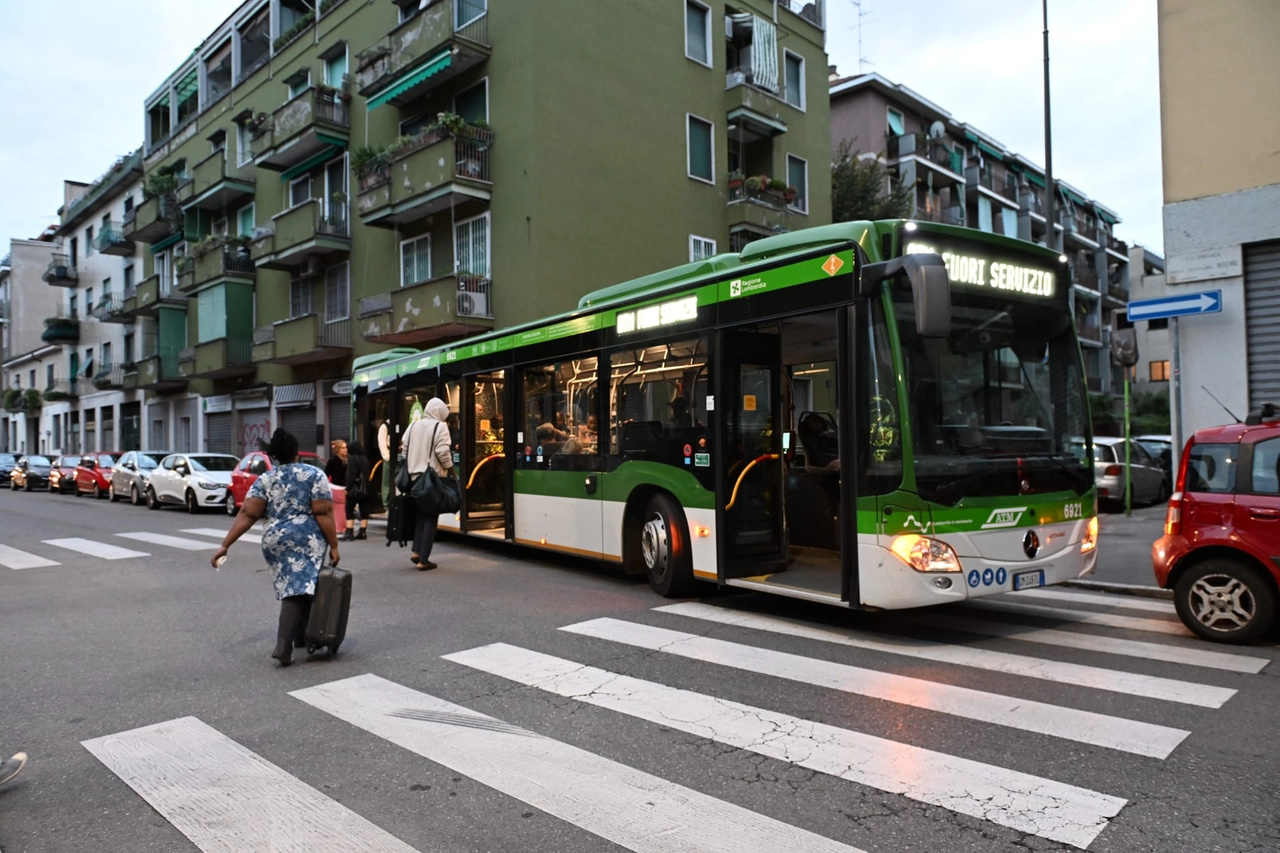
974 578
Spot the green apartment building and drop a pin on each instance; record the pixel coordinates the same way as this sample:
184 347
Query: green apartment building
325 184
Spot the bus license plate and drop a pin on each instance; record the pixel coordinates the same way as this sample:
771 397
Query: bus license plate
1027 580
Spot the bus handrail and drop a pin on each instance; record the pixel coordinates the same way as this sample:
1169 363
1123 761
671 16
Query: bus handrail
476 470
734 497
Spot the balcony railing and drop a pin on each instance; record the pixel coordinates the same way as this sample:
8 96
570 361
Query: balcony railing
335 333
111 240
61 271
214 264
110 308
1119 246
813 11
1089 330
1031 201
1010 190
61 389
110 376
1086 278
460 26
953 215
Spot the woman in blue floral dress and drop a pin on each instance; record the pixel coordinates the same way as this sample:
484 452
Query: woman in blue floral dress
298 505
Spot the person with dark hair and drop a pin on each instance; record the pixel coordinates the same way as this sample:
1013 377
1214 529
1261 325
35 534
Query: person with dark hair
296 500
358 496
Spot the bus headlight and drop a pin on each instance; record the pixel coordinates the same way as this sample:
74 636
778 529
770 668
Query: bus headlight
924 554
1090 540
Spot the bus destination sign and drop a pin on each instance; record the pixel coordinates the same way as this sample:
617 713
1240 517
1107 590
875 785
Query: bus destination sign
969 267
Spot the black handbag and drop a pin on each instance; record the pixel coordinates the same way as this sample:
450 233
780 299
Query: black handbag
435 495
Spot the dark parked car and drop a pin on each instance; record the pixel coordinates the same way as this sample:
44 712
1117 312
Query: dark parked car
8 461
62 477
32 472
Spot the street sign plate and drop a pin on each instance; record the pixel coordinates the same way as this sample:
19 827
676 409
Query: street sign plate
1183 305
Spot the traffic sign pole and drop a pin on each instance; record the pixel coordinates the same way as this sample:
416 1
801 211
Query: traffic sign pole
1128 460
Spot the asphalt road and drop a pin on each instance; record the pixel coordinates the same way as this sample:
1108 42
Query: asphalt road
155 720
1124 545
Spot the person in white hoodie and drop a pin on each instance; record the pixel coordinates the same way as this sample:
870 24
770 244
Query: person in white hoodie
427 443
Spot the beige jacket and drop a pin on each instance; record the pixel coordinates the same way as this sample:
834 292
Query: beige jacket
419 449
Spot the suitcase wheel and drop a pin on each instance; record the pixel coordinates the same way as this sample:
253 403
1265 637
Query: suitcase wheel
312 649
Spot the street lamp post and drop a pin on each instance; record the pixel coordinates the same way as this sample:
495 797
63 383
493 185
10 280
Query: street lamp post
1051 189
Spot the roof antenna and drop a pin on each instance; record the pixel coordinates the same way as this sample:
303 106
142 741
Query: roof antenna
1223 405
862 61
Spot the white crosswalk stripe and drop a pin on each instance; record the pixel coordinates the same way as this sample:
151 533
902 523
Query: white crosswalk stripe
169 541
100 550
221 534
1122 602
1108 620
1080 675
631 808
12 558
227 799
1021 801
1068 723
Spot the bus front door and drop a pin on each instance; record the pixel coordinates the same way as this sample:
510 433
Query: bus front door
483 467
749 494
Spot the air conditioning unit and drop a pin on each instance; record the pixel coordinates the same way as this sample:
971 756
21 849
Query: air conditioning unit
473 304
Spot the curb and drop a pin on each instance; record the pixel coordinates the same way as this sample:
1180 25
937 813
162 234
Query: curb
1122 588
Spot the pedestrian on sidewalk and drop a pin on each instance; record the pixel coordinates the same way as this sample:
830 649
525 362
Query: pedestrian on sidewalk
427 445
12 767
336 468
358 496
298 505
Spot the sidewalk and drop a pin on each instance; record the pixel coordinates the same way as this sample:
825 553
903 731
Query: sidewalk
1124 546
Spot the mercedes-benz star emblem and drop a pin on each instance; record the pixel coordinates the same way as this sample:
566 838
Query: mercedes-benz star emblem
1031 544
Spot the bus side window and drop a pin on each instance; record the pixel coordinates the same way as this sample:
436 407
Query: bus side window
557 401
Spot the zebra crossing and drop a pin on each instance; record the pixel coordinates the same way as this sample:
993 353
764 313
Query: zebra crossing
222 796
200 539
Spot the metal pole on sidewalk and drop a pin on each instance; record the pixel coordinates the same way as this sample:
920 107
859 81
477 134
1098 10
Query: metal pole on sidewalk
1128 461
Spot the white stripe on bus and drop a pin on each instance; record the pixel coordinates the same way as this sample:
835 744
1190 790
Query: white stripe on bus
1021 801
227 799
169 541
1117 733
1060 672
1123 602
100 550
12 558
626 806
1106 620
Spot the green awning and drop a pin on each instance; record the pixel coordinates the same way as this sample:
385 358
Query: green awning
437 63
1077 199
994 152
309 164
1102 214
1038 180
329 139
166 243
758 118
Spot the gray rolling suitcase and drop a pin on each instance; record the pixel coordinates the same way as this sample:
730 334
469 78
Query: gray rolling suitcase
327 625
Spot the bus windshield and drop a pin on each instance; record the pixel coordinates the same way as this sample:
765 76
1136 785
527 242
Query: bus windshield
997 404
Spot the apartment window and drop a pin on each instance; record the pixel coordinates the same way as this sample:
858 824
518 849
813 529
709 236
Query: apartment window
700 248
1162 323
337 293
794 80
88 241
106 356
466 11
411 126
219 143
106 288
415 260
255 41
798 177
1159 371
697 32
211 317
699 140
896 121
300 191
106 221
31 379
75 251
299 83
291 11
128 278
244 144
471 246
88 362
187 94
335 66
126 353
219 228
473 104
48 376
71 306
128 203
88 299
159 121
299 297
217 72
245 221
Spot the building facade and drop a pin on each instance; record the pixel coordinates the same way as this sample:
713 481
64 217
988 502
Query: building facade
31 364
1155 350
962 176
1218 68
325 184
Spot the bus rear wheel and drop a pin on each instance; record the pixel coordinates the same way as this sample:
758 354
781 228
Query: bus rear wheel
664 547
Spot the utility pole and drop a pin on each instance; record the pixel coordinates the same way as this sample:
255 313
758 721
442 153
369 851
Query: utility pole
1051 190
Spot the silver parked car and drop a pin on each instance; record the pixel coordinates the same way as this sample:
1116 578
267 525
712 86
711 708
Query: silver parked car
130 475
1150 483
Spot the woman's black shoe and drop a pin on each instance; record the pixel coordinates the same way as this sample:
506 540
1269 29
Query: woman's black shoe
363 534
348 536
423 566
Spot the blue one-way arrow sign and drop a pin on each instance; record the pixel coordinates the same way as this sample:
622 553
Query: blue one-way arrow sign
1205 302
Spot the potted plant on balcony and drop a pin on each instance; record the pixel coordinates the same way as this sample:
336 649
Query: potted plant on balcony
12 399
369 163
451 123
777 188
736 179
754 183
32 399
790 194
159 184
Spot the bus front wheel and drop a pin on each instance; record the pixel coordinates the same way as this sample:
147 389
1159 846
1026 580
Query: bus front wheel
664 546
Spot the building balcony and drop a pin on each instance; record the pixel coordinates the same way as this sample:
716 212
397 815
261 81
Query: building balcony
314 124
436 45
216 184
159 372
110 309
979 182
62 389
152 221
436 310
61 272
217 359
112 241
1118 288
61 330
932 151
302 340
1085 278
754 113
225 263
434 172
1119 248
762 212
1089 331
149 295
111 376
948 215
302 233
1080 232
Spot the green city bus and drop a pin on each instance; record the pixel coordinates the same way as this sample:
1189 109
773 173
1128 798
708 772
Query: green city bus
716 422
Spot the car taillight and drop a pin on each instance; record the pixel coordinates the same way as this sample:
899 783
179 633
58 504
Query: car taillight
1173 516
1113 470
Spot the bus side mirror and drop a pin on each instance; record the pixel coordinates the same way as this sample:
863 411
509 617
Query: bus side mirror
931 290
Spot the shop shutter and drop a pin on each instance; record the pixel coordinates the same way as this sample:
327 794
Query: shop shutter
339 418
1262 321
302 423
218 432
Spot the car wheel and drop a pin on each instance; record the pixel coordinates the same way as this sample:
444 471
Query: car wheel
152 502
1225 600
111 492
26 485
231 504
134 498
664 548
97 491
1163 496
192 506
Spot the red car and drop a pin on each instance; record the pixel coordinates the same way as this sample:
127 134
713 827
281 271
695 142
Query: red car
62 478
252 466
1221 537
93 474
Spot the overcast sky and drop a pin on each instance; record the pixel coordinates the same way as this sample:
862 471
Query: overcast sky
982 61
74 74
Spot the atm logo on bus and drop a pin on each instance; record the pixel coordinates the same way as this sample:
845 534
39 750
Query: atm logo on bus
1004 518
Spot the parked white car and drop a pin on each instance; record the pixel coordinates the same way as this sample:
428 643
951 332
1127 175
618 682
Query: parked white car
193 480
